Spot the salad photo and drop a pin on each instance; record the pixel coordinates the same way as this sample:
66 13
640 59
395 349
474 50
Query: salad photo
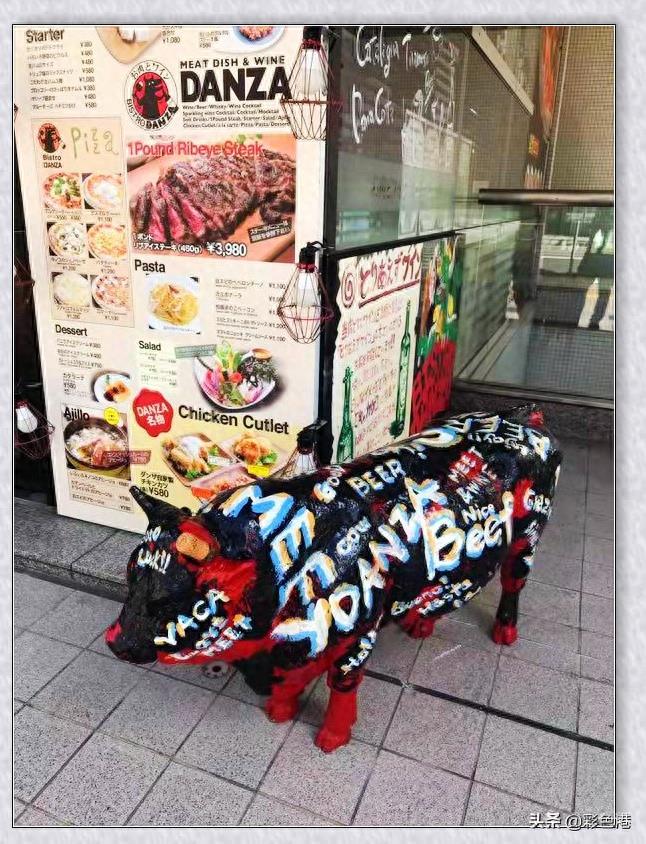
236 380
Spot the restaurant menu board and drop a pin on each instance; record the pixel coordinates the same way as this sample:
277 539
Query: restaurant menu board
373 359
165 197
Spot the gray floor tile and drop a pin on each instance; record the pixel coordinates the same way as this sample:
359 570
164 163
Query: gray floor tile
477 612
103 783
186 797
529 762
35 817
561 541
600 526
405 793
602 670
599 551
192 674
597 614
41 745
477 636
33 598
426 727
556 571
376 702
569 511
36 660
394 652
490 807
598 580
46 536
79 618
598 504
597 645
455 669
575 458
99 646
549 633
596 711
601 485
490 595
568 498
109 559
549 603
234 740
573 474
555 658
265 812
158 713
88 688
339 776
535 692
18 807
595 781
17 705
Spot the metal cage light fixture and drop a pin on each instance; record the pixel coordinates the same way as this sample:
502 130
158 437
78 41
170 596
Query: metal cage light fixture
33 431
306 107
305 306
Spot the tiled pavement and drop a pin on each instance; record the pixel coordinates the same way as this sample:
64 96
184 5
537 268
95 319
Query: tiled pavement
451 731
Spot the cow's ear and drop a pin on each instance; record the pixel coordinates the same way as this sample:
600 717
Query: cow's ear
193 547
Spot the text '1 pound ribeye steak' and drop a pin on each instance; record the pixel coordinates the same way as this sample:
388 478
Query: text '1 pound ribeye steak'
206 198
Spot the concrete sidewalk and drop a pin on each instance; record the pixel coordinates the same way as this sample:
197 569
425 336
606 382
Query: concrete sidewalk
452 731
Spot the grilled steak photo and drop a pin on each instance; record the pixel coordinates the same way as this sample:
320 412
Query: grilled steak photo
206 198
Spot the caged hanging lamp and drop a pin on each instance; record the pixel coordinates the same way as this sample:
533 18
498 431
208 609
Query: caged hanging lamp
306 106
33 432
304 459
305 305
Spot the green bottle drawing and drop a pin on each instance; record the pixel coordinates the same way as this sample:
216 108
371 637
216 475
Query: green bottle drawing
397 426
345 446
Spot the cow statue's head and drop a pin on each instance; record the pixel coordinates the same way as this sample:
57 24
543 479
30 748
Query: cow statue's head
186 602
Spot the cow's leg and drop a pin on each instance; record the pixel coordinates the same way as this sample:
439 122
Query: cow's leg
341 712
282 704
416 625
513 576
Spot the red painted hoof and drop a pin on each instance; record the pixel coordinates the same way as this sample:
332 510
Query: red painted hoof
327 740
504 634
281 711
421 628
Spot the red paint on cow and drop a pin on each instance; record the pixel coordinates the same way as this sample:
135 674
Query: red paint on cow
112 632
520 508
504 634
340 717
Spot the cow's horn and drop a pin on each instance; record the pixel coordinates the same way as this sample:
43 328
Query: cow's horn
145 501
156 510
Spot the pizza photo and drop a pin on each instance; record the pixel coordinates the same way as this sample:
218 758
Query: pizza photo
62 192
107 241
104 192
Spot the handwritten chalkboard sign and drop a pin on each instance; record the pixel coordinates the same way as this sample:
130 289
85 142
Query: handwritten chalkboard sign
426 120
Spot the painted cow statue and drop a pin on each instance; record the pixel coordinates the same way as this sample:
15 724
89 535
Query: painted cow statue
287 579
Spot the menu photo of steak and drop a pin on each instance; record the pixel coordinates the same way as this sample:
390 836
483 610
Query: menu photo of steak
234 202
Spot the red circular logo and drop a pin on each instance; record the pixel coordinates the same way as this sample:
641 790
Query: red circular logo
150 96
152 412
